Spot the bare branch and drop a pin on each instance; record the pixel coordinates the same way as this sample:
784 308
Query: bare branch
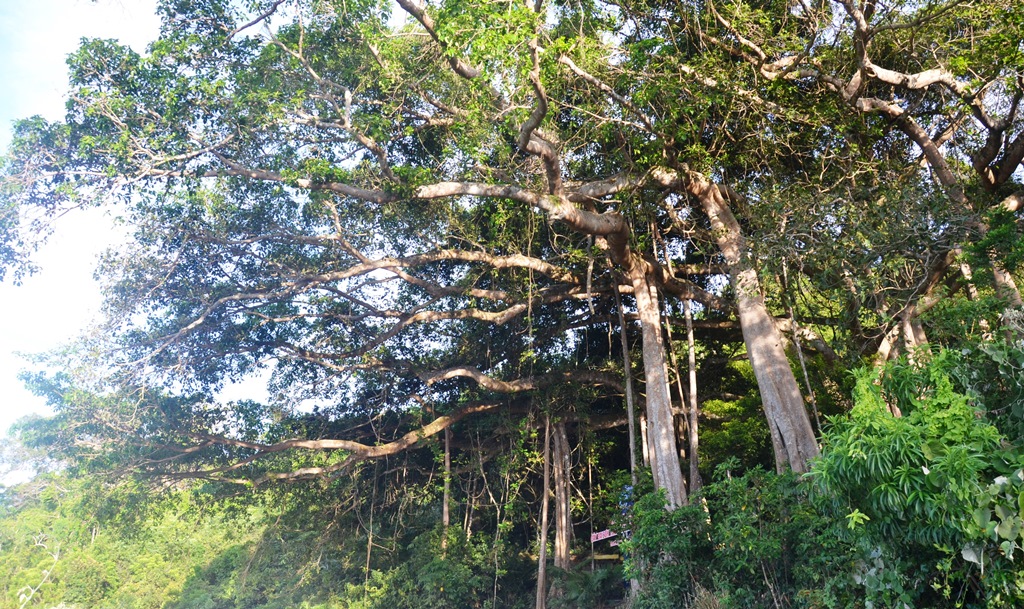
357 450
519 385
273 9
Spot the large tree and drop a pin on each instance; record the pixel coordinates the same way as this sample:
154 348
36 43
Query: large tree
434 216
928 94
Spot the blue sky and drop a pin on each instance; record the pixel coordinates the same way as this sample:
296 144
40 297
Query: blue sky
56 305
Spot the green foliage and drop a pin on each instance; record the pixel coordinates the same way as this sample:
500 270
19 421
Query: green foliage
993 373
745 541
185 553
277 181
735 427
928 497
598 588
467 571
102 563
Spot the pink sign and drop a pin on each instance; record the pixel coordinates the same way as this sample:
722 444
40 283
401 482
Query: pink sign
598 536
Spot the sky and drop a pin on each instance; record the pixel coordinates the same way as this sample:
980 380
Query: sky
54 306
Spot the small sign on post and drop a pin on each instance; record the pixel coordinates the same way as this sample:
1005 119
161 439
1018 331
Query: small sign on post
598 536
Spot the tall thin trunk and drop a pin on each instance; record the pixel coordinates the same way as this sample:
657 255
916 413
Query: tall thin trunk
562 472
691 367
369 533
792 435
803 368
665 460
467 524
645 445
634 584
445 508
590 506
542 541
630 404
682 422
800 349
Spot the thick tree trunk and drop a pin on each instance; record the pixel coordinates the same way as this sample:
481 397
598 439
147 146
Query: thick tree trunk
665 458
1006 287
792 435
614 230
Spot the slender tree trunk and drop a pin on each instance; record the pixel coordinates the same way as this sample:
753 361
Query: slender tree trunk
691 367
467 524
799 348
803 368
645 446
665 459
542 541
792 435
634 584
369 533
445 509
630 403
561 461
682 422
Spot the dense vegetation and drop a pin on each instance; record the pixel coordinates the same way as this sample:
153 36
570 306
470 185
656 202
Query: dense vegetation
739 278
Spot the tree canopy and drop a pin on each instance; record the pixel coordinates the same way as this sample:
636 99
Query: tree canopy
453 227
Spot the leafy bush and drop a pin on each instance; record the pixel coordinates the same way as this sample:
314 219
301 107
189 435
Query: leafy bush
929 498
469 571
745 541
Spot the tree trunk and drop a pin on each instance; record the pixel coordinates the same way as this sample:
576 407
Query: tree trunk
628 373
445 508
615 232
645 445
542 541
1006 288
681 418
691 397
665 458
792 435
561 460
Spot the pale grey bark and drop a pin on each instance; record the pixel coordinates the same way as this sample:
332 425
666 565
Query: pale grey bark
692 429
792 435
665 460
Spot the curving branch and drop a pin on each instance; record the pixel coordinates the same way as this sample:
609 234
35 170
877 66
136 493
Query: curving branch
418 12
357 450
519 385
371 196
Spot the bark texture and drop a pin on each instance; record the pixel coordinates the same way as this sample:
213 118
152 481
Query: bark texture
792 435
668 474
561 468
